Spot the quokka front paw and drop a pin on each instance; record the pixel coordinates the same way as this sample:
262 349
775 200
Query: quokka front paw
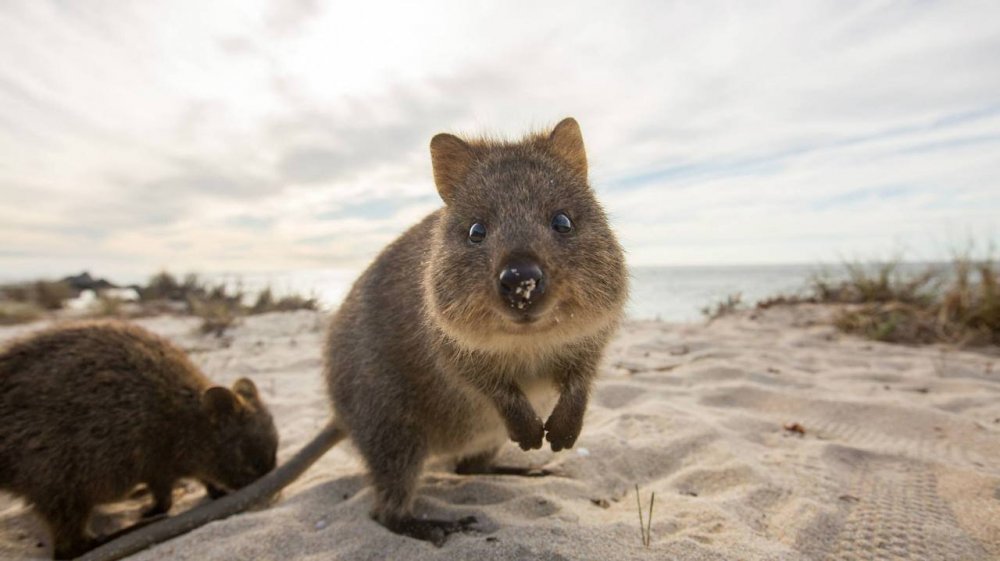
562 430
430 530
528 433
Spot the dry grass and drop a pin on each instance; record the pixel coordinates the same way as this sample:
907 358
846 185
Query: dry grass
29 301
48 295
12 313
266 302
219 305
732 303
956 304
216 316
882 283
645 527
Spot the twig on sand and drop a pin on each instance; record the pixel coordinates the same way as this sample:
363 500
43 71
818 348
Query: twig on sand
638 506
645 527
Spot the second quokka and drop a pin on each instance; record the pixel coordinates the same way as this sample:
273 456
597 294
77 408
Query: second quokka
88 411
465 327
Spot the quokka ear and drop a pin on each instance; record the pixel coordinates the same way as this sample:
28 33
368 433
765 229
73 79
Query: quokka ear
245 388
220 403
451 158
567 142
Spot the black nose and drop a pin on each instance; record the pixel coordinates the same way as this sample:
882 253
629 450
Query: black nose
522 282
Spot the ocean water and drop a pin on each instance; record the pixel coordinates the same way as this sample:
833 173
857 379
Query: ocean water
674 294
678 294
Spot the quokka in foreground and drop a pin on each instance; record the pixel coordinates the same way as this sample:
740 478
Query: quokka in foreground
89 411
463 328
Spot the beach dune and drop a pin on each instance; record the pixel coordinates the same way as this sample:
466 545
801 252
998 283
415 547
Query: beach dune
764 435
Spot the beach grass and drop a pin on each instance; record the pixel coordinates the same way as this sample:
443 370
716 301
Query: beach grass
956 303
12 313
220 305
729 305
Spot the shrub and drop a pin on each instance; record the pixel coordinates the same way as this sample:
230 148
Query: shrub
732 304
958 303
12 313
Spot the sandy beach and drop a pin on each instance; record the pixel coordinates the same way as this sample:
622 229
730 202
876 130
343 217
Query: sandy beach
765 435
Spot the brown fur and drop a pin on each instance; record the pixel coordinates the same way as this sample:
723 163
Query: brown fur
88 411
424 358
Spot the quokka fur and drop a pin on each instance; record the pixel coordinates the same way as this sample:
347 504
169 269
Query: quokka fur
424 357
88 411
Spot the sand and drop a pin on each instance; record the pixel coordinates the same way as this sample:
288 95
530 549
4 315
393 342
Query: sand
898 456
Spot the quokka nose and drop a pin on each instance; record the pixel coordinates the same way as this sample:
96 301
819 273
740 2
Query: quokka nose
521 283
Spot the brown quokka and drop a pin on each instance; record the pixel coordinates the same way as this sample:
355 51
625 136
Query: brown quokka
451 341
88 411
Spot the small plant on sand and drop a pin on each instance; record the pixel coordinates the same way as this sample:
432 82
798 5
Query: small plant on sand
216 316
645 528
218 307
731 304
162 286
12 313
28 301
48 295
266 302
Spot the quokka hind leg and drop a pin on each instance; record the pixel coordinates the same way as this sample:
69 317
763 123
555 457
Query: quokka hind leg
213 491
483 464
395 463
67 519
163 499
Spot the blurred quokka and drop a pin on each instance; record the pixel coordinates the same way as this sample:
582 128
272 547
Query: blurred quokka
453 339
89 411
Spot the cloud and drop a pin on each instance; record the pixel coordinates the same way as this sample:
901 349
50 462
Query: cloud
277 135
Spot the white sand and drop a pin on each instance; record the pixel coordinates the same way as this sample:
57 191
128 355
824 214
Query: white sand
900 458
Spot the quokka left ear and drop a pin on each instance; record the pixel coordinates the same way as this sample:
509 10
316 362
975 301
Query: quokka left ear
567 141
220 403
451 158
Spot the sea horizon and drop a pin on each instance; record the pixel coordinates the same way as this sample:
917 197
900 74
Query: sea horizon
673 293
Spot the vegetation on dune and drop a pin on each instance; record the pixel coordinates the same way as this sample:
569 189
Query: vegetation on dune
45 295
219 305
732 303
19 312
957 303
28 301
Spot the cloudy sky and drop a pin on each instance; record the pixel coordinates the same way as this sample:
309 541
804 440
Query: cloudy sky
276 135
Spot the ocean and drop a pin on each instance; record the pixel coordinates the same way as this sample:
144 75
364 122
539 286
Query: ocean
678 294
675 294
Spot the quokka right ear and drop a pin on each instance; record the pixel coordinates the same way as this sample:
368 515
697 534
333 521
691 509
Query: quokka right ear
245 388
451 158
220 403
567 140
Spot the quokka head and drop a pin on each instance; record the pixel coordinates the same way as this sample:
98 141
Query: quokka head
241 441
522 247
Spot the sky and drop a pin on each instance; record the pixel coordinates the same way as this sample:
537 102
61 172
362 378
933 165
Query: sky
257 136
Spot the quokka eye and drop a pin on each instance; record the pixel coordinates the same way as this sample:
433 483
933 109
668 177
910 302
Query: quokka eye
477 233
561 223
